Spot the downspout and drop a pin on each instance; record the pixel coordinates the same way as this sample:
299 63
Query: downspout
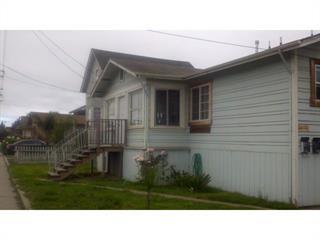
295 127
293 71
146 117
146 112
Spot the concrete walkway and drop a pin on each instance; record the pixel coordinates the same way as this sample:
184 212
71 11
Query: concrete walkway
8 195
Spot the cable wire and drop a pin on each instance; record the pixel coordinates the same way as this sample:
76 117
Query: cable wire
39 81
53 53
61 49
30 83
205 40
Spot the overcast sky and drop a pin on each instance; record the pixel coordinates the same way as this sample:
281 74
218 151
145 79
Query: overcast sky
25 53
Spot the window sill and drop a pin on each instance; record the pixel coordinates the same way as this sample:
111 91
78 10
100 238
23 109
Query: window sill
315 102
201 126
164 126
200 122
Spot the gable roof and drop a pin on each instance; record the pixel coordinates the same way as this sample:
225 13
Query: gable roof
180 70
139 65
257 56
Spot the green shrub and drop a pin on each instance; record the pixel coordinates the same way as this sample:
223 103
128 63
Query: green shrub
196 183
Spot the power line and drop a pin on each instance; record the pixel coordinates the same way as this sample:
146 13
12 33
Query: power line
29 83
2 71
205 40
39 81
52 52
61 49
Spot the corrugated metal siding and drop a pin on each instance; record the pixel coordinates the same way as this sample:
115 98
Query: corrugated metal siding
248 149
309 165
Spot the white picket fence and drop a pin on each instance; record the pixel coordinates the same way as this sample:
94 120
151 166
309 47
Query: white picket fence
32 153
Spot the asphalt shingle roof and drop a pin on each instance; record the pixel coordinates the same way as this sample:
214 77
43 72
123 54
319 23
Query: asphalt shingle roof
145 65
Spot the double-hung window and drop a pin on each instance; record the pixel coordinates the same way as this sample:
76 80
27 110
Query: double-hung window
167 109
136 108
200 103
315 83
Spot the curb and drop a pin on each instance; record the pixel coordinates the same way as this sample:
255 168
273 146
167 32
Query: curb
23 200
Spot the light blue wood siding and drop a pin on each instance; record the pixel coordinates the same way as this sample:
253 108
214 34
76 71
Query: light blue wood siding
309 165
130 168
178 158
117 88
248 149
168 137
135 137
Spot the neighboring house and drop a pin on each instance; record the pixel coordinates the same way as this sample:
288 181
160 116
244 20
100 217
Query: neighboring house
34 124
254 120
80 111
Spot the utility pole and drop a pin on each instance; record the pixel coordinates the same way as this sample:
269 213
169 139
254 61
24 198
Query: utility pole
2 69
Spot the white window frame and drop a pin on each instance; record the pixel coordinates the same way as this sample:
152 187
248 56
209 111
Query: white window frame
207 120
168 86
118 106
155 103
130 109
108 106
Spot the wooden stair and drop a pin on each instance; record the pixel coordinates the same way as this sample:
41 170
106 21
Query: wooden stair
83 145
67 168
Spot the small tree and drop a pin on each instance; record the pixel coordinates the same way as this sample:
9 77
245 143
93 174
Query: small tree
151 168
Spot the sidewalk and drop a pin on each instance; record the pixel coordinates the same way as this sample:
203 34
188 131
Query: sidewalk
8 196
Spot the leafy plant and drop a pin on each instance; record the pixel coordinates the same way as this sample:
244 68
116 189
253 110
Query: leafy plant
195 183
150 166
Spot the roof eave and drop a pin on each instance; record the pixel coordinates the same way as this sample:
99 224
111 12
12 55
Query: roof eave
103 74
85 81
159 76
261 55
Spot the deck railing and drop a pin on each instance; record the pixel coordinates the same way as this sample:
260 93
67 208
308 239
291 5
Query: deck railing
107 132
102 133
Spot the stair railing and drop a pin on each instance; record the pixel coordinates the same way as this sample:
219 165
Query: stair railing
104 132
63 150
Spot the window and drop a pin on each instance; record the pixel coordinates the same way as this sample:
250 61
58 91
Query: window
200 96
136 108
111 109
315 83
167 107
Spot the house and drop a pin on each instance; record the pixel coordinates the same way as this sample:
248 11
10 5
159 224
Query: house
80 111
255 120
37 125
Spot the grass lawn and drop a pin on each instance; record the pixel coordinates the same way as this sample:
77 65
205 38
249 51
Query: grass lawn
66 195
